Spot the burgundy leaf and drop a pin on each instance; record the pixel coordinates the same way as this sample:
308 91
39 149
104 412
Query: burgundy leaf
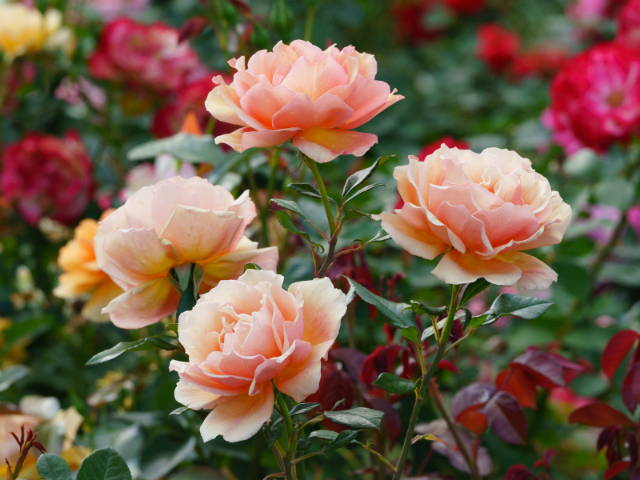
351 359
448 365
606 437
335 385
518 472
599 414
615 351
192 28
506 418
470 397
548 369
615 469
517 381
631 387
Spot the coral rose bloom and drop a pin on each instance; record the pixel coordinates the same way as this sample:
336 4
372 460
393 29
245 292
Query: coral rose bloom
480 211
82 278
249 334
175 222
301 93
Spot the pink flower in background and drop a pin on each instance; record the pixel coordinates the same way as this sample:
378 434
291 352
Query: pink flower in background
480 211
298 92
633 217
165 166
587 11
47 176
110 9
248 335
629 24
143 56
608 217
80 92
595 98
497 46
173 223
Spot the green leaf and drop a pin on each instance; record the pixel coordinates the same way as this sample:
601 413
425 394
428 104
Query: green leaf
288 205
359 417
393 384
184 146
473 289
305 189
398 314
178 411
360 176
104 464
615 192
303 407
429 331
287 223
355 194
53 467
343 439
132 346
327 435
10 375
527 308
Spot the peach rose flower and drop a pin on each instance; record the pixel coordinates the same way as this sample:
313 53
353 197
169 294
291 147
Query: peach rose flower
178 221
81 277
301 93
247 335
480 210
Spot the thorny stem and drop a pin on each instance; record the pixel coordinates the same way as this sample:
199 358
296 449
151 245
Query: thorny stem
422 390
289 454
437 400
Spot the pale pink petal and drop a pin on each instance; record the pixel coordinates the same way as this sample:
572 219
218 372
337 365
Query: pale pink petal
457 268
238 418
536 275
414 236
246 138
192 396
324 307
223 104
328 111
198 235
323 145
133 255
143 305
303 379
232 264
262 101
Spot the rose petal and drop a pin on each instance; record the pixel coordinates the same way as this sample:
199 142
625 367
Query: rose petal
457 268
238 418
323 144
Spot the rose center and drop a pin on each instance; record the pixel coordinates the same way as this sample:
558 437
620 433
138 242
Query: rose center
615 99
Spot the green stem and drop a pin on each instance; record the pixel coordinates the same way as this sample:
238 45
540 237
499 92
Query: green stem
422 390
324 195
262 209
290 453
308 26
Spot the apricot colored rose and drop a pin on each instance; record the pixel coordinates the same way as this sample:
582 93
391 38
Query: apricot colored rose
81 277
298 92
480 210
248 335
178 221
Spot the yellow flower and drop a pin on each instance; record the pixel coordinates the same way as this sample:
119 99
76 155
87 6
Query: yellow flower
82 278
25 30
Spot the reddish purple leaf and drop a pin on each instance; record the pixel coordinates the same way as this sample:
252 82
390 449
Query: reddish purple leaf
615 351
471 397
607 436
518 472
506 418
517 381
615 469
548 369
192 28
599 414
631 387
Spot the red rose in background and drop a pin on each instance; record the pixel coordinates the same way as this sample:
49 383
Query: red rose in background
448 141
466 7
497 47
409 17
189 98
629 24
544 60
140 55
47 177
595 98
